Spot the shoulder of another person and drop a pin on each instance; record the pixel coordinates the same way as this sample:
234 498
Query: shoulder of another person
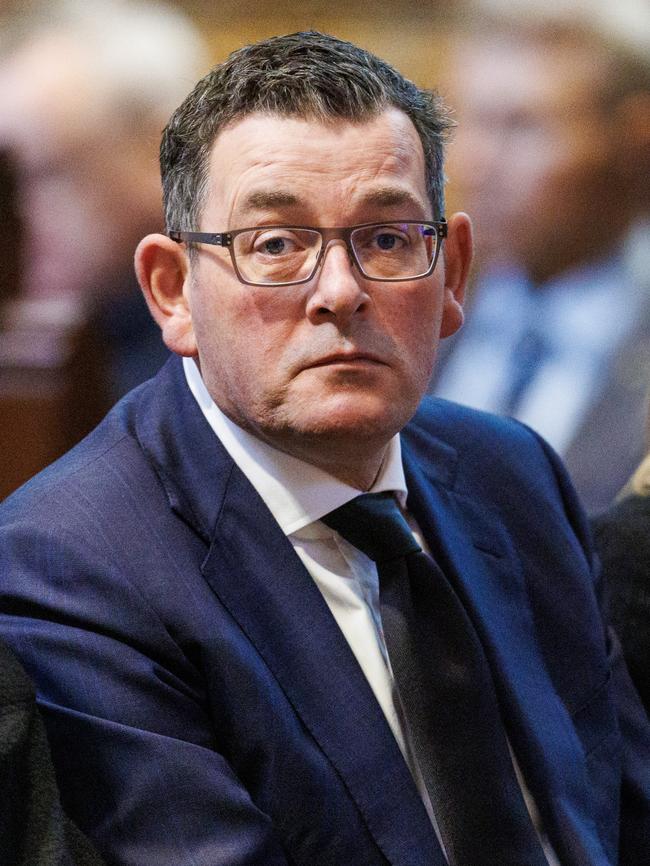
15 687
624 529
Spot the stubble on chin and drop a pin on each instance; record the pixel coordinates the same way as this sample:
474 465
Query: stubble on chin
340 426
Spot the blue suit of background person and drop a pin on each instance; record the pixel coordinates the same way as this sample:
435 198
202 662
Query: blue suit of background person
203 706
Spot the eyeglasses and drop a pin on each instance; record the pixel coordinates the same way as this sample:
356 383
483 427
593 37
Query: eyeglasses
289 255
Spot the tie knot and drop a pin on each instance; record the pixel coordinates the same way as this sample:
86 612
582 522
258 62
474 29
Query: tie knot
374 524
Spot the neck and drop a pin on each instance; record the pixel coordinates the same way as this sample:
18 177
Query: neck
359 471
357 464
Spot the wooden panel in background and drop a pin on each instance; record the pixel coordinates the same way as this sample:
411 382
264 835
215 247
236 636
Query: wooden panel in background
52 388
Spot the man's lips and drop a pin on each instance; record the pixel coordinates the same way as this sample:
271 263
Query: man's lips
344 358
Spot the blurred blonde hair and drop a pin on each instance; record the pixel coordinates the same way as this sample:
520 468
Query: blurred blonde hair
640 481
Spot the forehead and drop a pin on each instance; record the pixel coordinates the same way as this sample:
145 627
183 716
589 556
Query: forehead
267 164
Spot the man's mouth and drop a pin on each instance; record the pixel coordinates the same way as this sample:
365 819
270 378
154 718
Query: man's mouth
345 358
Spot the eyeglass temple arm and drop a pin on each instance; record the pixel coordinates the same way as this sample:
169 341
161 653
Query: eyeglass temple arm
224 239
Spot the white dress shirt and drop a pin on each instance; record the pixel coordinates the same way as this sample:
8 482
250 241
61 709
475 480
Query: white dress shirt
298 495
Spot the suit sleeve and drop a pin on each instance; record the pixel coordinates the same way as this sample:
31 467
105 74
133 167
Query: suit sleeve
633 720
136 754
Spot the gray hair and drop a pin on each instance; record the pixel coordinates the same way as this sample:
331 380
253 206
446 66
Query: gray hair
306 75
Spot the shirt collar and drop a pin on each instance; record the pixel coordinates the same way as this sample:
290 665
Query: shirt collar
296 493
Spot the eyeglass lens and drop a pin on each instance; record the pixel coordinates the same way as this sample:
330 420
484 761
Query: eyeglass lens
390 251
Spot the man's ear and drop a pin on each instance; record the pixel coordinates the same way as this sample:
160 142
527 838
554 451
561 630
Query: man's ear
162 270
458 257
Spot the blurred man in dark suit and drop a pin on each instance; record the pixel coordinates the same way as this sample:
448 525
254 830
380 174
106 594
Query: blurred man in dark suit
552 159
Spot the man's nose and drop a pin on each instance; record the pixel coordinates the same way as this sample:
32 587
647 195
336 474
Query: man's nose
339 289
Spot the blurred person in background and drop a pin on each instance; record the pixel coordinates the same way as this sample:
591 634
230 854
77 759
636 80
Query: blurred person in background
552 159
622 536
85 90
34 831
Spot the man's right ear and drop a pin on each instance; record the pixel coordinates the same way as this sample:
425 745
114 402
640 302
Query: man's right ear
162 270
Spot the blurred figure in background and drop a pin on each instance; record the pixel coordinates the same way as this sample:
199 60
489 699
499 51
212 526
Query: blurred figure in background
34 831
552 161
622 536
85 89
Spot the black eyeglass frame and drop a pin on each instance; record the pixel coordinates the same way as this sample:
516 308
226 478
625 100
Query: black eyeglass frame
344 233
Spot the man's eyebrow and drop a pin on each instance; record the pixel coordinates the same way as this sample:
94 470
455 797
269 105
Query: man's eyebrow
387 196
268 199
390 196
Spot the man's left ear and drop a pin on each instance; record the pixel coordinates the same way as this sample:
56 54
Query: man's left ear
457 253
162 270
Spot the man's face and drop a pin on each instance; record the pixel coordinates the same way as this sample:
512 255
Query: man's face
341 358
532 159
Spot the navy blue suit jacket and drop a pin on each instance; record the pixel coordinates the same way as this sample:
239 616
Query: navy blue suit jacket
202 705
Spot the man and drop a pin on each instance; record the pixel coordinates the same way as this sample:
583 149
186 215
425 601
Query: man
552 160
85 89
228 679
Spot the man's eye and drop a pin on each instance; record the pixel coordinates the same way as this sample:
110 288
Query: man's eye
389 241
275 245
386 241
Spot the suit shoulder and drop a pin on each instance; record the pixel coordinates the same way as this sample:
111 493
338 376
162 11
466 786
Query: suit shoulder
495 460
466 429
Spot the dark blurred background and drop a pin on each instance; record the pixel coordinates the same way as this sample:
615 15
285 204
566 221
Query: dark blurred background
556 183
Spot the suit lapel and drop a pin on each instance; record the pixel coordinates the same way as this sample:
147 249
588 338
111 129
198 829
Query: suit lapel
190 462
254 571
476 553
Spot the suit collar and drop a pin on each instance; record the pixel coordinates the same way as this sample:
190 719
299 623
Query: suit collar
258 577
191 463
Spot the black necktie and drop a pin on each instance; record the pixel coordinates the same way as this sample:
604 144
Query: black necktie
447 693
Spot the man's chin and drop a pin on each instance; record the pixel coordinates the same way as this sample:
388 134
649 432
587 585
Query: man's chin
349 417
